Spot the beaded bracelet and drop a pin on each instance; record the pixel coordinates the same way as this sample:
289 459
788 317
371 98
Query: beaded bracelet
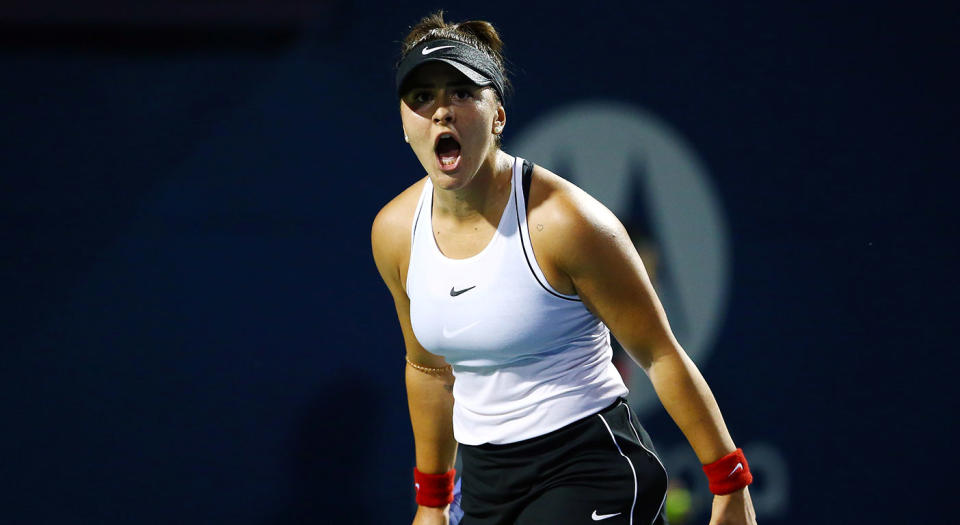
427 369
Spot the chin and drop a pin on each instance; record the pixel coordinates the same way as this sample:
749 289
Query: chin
453 180
450 181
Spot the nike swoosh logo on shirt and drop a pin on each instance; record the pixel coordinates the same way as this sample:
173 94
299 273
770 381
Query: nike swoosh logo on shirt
598 517
453 333
427 50
454 293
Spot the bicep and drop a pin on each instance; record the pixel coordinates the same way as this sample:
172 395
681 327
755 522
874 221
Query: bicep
610 278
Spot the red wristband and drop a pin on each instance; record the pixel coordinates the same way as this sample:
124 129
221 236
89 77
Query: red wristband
729 473
434 490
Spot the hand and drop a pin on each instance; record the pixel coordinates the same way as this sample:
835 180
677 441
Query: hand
733 509
432 515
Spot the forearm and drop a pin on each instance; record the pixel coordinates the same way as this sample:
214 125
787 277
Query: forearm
689 401
430 400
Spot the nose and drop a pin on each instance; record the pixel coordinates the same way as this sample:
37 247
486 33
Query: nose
443 114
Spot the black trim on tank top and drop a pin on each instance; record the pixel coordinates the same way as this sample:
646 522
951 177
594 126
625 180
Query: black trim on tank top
526 178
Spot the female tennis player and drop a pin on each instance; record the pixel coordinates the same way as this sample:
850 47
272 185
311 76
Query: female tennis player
507 281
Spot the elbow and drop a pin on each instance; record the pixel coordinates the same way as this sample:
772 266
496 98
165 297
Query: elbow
649 355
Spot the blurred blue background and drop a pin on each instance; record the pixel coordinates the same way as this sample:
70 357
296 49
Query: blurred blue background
194 331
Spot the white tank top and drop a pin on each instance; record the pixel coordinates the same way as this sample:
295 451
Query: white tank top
527 359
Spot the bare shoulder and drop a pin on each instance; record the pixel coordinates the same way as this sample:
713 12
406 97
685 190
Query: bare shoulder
390 234
561 212
397 215
570 231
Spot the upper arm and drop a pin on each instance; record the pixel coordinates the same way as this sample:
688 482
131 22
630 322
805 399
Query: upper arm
390 240
595 252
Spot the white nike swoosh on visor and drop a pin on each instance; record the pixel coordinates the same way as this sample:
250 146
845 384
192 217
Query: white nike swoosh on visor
453 333
598 517
427 50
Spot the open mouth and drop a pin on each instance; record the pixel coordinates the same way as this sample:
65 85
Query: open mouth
448 152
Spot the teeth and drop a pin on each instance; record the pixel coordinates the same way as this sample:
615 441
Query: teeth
448 161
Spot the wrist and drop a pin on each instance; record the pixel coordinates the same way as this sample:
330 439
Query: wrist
739 493
433 510
434 490
729 474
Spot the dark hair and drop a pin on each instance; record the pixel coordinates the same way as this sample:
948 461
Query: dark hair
477 33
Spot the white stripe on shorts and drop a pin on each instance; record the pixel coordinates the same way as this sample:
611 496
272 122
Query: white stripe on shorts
634 504
665 475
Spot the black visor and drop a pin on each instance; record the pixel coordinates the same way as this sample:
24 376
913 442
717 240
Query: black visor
473 63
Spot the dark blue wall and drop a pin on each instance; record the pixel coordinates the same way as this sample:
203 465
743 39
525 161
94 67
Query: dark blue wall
194 331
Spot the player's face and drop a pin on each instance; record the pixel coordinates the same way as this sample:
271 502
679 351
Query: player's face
449 123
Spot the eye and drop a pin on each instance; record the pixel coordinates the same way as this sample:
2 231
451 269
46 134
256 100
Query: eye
421 97
462 94
418 97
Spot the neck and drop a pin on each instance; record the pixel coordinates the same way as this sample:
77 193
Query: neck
483 197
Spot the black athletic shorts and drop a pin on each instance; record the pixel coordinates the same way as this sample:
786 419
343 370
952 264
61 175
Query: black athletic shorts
602 468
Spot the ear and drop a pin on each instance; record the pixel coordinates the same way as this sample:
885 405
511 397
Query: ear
500 121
